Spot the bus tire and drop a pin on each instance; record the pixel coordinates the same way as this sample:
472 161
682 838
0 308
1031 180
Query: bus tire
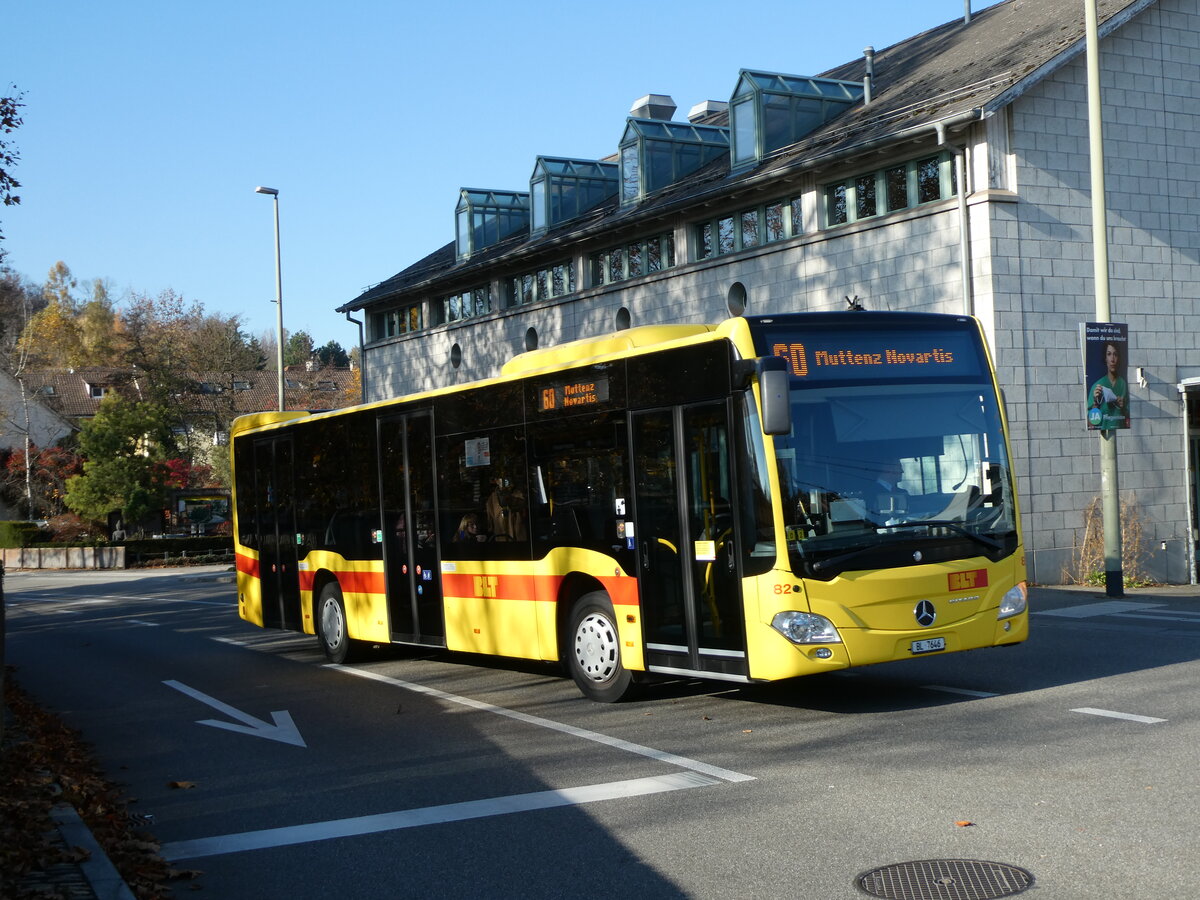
332 630
594 650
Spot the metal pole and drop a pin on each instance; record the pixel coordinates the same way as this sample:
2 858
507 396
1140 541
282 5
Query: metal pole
1110 491
278 293
278 306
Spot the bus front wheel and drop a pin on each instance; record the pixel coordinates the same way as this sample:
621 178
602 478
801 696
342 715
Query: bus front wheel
594 656
331 625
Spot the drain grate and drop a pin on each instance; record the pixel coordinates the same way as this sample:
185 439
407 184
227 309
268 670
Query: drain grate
945 879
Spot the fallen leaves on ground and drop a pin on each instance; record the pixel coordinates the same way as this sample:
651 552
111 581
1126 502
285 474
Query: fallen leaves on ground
43 763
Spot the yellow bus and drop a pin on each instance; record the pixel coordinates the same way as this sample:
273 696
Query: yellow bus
761 499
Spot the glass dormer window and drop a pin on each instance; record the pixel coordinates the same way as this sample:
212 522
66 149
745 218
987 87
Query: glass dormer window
563 189
656 153
483 218
769 111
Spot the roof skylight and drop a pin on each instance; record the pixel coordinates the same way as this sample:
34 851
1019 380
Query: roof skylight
768 111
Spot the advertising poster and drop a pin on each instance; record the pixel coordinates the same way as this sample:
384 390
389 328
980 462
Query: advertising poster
1106 374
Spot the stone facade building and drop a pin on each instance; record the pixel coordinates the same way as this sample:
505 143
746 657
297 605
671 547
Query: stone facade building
947 173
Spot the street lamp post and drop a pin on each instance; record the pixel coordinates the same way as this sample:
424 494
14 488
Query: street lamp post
278 294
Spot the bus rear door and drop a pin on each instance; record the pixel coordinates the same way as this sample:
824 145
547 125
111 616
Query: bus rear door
274 492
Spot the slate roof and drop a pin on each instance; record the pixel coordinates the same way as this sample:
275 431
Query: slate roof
953 74
70 391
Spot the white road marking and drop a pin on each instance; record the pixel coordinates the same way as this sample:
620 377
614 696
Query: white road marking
431 815
284 730
682 762
1146 720
1088 610
1165 616
953 690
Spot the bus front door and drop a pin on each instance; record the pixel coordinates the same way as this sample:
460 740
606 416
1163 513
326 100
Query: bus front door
410 554
277 563
687 560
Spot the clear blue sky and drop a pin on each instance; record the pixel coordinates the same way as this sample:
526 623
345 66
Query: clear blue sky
149 124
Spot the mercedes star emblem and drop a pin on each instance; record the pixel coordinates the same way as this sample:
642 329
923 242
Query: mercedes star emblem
925 613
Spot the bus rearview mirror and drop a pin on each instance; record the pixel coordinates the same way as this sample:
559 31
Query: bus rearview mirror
776 402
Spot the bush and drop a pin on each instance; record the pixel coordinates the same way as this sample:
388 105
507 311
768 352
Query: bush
70 529
1089 552
18 534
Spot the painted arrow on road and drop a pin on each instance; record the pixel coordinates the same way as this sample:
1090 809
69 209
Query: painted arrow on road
284 730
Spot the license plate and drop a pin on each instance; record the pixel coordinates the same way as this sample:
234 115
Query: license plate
929 645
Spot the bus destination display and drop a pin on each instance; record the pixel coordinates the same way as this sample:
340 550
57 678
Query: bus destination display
565 395
872 355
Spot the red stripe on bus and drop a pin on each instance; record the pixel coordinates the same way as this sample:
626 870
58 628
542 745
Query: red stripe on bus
544 588
248 565
356 582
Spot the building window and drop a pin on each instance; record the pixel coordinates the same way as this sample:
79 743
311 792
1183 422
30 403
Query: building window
548 283
394 322
888 190
774 221
634 259
241 385
326 386
96 391
469 304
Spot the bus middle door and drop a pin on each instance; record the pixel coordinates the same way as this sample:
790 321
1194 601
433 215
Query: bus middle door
687 560
410 553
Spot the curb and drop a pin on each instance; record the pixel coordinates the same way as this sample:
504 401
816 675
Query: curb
98 869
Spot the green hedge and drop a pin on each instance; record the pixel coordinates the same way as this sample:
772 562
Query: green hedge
18 534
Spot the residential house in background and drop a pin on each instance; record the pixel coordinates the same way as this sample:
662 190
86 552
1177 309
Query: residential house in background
23 414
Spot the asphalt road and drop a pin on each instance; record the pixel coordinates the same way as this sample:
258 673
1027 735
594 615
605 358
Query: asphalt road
419 774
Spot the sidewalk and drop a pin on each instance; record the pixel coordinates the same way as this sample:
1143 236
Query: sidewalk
1048 596
48 850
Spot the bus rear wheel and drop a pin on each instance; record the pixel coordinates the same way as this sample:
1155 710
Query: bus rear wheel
594 655
331 626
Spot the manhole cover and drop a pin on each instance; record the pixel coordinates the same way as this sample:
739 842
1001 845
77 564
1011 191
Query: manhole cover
945 879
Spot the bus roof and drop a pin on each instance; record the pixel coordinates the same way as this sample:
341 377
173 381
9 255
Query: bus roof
579 352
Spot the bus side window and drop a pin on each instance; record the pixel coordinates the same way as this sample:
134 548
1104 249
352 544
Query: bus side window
578 472
481 481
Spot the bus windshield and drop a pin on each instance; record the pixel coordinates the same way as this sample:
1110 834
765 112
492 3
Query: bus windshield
896 454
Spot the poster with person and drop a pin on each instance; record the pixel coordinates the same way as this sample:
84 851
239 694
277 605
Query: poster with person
1106 374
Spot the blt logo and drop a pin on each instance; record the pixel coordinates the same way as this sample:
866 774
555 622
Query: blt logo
485 586
967 581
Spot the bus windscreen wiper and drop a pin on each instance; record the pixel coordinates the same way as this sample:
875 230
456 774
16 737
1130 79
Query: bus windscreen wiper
988 542
836 561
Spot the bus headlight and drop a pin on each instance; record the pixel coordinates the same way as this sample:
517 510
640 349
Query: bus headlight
805 628
1013 602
